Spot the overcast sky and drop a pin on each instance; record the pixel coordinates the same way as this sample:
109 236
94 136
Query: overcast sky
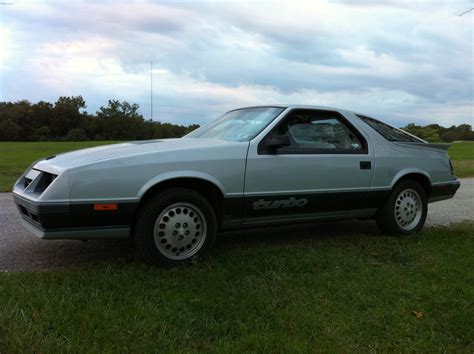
403 61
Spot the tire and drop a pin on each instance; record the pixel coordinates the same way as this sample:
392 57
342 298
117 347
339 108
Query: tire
405 210
173 227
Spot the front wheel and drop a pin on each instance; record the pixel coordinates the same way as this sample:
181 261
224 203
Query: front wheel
175 226
405 210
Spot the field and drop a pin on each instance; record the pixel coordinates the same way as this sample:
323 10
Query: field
462 154
285 290
16 157
290 289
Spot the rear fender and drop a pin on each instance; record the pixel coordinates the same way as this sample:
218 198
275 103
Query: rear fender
406 172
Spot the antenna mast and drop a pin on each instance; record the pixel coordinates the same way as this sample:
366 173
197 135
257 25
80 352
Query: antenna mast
465 12
151 90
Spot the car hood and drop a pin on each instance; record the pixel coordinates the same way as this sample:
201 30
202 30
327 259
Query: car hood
58 163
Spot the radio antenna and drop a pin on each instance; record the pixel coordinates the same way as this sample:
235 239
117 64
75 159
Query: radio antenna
151 90
465 12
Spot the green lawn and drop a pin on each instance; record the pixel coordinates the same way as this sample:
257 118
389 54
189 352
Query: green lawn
462 155
301 290
16 157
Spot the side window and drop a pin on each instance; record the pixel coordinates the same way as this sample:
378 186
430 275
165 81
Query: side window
388 132
312 131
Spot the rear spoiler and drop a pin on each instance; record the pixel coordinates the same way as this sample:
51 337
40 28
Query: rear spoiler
438 146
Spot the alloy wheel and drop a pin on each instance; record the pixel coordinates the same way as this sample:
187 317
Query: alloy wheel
180 231
408 209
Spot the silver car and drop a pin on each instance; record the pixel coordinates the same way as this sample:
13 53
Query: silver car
252 167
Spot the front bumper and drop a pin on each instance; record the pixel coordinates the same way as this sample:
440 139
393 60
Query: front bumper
443 191
106 233
74 221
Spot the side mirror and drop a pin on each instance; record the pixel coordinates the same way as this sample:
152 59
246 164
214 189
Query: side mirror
277 141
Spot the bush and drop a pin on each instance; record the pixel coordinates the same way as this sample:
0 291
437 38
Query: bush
9 130
76 134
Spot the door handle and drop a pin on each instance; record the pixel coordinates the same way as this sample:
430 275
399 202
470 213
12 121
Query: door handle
365 165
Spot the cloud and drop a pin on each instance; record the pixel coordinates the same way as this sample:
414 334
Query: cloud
398 61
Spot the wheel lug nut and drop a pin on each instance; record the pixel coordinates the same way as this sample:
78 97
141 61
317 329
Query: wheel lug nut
175 233
185 225
177 225
187 232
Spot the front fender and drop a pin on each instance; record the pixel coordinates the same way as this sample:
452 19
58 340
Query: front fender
180 174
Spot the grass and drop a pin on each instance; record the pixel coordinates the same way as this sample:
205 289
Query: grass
462 154
283 290
16 157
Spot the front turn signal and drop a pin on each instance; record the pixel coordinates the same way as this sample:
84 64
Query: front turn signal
112 206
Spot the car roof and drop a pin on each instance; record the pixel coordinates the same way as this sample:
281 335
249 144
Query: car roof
300 106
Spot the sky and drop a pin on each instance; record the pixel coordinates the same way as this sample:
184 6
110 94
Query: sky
399 61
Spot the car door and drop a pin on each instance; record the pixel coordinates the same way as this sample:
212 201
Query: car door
311 164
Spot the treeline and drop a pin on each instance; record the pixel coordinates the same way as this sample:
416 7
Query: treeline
67 120
435 133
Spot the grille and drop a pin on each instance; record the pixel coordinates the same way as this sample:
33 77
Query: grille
32 216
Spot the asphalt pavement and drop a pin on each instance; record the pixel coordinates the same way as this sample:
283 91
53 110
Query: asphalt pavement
21 251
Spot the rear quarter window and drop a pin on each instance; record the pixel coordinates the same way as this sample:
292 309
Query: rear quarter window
388 132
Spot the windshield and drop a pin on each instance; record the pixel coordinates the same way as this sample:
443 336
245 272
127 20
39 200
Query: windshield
239 125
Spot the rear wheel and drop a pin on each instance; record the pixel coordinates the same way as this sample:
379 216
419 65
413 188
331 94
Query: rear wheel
175 226
405 210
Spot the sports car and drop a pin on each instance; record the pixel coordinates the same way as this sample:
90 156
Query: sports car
252 167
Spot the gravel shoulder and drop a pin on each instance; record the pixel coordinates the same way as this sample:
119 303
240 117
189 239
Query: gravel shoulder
21 251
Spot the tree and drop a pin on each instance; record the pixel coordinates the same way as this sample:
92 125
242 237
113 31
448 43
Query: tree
449 136
43 133
44 121
76 134
67 115
436 133
191 128
9 130
41 113
430 134
464 132
121 121
19 113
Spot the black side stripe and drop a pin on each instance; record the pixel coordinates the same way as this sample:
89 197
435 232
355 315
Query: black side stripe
303 204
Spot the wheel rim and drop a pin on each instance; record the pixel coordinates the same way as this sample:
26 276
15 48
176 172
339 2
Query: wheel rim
180 231
408 209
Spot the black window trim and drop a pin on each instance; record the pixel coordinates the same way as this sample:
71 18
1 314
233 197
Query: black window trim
261 150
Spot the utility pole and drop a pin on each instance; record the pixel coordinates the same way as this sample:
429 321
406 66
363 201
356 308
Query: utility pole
151 90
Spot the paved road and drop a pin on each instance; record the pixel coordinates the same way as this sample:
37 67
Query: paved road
21 251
